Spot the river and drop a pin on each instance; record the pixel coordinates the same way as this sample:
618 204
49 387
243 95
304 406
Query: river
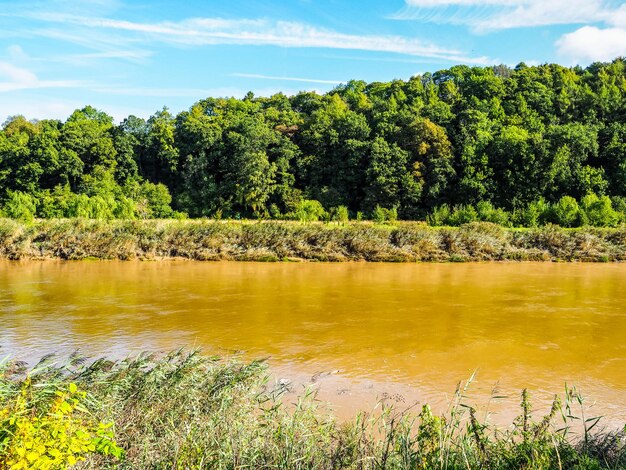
358 331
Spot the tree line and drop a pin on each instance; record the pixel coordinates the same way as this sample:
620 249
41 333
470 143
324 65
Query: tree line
522 146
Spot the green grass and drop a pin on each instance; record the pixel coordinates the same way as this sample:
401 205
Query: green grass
185 410
206 240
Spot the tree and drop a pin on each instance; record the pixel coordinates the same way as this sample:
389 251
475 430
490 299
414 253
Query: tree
159 163
87 135
431 159
516 158
390 180
334 146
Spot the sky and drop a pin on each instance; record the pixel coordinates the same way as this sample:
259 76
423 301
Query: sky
137 56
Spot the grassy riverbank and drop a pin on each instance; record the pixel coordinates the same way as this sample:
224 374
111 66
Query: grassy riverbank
75 239
189 411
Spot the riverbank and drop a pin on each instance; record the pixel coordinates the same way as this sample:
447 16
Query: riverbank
206 240
185 410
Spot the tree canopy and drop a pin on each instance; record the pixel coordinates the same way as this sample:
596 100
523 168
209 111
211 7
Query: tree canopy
512 139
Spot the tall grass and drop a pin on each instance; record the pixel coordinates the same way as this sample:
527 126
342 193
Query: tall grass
185 410
74 239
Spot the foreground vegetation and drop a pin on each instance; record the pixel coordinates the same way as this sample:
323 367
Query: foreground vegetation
516 138
189 411
75 239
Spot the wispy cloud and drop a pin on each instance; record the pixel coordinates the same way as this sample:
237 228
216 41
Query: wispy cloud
489 15
104 44
13 78
602 38
252 32
287 79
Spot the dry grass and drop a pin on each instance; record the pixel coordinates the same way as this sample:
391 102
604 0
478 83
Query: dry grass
275 241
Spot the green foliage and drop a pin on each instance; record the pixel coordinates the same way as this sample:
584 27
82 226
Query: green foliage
20 206
152 201
567 213
487 213
440 216
533 215
599 211
309 211
50 433
380 215
494 141
462 215
340 214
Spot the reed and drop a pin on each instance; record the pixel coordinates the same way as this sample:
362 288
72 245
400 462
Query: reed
186 410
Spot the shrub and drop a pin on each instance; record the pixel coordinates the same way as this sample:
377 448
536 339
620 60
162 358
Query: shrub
462 215
340 214
54 435
309 210
153 200
533 215
599 211
20 206
101 207
439 216
567 213
380 215
488 213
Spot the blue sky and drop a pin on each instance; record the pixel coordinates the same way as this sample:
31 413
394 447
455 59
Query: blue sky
136 56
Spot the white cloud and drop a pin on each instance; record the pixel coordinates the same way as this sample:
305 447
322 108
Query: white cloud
590 44
603 38
14 78
213 31
486 15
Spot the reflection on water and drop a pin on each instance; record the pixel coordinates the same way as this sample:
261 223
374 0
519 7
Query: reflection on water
417 328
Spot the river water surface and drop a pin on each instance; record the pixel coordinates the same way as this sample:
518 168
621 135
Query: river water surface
359 331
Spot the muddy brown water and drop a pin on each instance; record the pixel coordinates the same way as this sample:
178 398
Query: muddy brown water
356 331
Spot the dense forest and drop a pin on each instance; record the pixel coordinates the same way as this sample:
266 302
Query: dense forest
519 146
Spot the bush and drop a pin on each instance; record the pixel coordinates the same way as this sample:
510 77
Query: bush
567 213
380 215
152 200
439 217
599 211
533 215
55 433
488 213
462 215
340 214
309 210
20 206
